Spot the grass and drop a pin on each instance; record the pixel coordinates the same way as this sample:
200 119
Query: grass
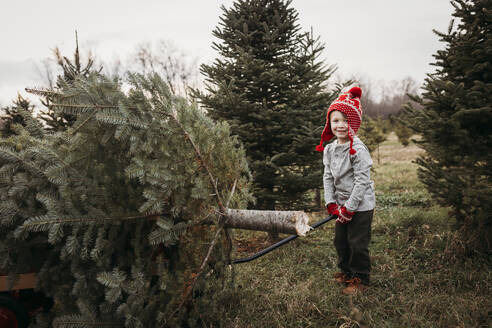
414 283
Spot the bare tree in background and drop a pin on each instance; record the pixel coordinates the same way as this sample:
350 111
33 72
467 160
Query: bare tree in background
173 65
380 99
395 94
370 91
46 72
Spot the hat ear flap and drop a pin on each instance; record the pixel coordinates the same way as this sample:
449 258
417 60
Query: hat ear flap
351 138
324 137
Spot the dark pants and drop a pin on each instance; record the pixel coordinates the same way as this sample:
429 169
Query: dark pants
352 245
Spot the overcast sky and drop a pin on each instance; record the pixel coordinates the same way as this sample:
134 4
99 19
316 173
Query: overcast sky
381 40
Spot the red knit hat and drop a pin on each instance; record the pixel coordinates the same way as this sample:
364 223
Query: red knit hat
349 104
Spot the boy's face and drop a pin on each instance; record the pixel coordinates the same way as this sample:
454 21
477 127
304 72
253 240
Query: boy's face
339 126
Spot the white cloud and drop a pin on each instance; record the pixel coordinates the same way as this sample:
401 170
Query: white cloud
382 39
15 76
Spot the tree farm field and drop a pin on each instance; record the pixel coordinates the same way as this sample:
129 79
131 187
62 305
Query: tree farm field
416 281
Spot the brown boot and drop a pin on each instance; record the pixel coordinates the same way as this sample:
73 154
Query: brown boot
354 286
341 277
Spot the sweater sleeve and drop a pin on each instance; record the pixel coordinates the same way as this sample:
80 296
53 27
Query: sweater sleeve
361 163
328 184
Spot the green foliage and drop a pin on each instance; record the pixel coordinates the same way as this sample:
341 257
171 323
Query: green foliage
110 211
371 133
385 125
402 131
417 199
455 124
15 114
71 71
269 85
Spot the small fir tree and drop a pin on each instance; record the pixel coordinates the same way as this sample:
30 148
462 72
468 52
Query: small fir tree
71 70
15 114
402 131
455 124
371 133
269 85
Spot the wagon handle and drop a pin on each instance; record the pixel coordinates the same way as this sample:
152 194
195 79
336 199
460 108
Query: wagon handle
280 243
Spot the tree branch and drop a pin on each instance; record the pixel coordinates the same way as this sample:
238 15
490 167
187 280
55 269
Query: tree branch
200 159
34 223
199 273
222 208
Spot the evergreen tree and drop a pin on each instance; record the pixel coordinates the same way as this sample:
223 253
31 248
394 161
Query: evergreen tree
15 115
110 212
269 85
401 130
371 133
455 123
70 71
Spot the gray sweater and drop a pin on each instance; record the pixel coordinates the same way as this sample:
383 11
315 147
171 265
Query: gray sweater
347 178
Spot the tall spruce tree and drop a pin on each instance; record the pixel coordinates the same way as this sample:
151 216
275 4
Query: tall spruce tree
455 123
268 83
110 211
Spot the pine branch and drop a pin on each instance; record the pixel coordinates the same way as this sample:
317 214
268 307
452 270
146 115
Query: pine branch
32 125
76 321
83 123
200 159
200 272
118 120
101 117
232 193
159 236
210 249
111 279
12 157
93 106
38 223
43 92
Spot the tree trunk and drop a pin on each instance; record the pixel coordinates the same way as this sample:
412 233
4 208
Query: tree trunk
289 222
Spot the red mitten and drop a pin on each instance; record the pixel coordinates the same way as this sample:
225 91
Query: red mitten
333 208
344 215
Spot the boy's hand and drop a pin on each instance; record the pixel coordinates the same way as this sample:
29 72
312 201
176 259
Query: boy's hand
333 209
344 216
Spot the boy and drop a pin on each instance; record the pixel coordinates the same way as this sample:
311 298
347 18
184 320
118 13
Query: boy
349 191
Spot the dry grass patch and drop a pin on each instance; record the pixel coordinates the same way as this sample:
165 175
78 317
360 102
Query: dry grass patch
392 151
